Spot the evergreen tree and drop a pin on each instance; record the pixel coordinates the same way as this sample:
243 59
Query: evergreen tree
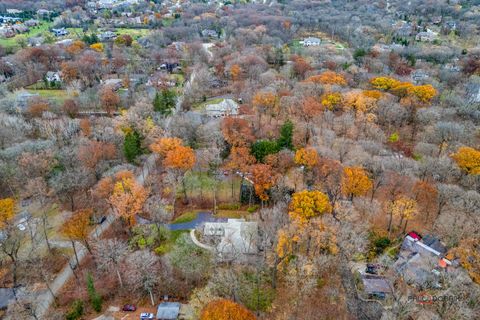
95 298
164 102
286 136
132 147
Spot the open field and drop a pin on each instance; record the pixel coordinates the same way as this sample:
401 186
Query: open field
56 95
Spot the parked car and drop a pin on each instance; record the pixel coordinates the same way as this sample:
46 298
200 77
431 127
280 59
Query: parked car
129 307
146 316
102 219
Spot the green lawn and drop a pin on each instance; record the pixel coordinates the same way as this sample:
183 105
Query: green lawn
134 33
200 185
233 214
56 95
167 246
201 106
167 22
186 217
34 31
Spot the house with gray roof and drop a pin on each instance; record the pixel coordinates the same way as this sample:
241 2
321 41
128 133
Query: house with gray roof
235 236
311 41
168 311
227 107
422 260
376 286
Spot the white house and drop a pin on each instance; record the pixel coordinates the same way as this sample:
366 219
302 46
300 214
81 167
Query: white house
311 41
237 236
59 32
53 76
227 107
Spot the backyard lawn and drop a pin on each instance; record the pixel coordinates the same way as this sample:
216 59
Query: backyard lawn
55 95
134 33
201 106
200 185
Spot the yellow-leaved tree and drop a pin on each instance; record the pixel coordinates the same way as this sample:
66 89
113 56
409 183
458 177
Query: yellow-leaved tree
7 211
306 205
404 208
223 309
355 182
468 159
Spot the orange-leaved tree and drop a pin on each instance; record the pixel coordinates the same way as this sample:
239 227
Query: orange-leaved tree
223 309
328 77
355 182
127 197
77 227
235 72
164 145
7 210
263 179
307 157
306 205
237 132
468 159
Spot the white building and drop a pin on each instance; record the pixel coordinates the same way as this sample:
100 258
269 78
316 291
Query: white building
237 236
311 41
53 76
227 107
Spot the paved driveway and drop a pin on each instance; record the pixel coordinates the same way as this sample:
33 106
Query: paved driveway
201 218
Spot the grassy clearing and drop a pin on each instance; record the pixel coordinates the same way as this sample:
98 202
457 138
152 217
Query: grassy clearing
167 22
167 246
201 185
34 31
186 217
201 106
134 33
233 214
56 95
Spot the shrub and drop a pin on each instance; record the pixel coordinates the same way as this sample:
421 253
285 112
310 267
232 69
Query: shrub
76 311
229 206
253 208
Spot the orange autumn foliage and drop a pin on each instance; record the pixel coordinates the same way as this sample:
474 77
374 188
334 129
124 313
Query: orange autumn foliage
127 198
77 227
223 309
239 159
264 100
7 210
263 179
164 145
181 158
467 159
237 132
91 153
307 157
355 181
235 72
328 77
